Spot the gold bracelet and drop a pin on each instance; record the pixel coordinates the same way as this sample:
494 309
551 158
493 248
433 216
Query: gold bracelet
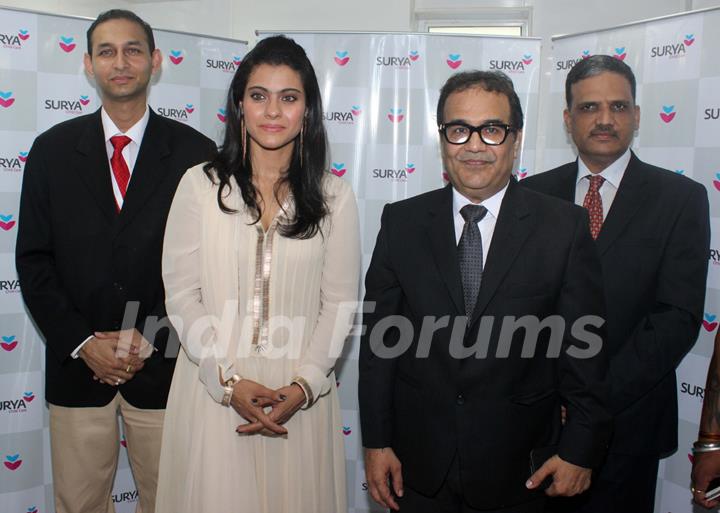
715 437
229 385
300 381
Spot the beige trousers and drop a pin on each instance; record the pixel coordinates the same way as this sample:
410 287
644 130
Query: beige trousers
84 444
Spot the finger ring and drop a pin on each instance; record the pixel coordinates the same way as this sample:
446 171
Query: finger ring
129 368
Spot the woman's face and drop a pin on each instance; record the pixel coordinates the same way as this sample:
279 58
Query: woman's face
273 106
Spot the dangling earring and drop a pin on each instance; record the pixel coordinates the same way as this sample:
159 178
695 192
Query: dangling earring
302 129
244 139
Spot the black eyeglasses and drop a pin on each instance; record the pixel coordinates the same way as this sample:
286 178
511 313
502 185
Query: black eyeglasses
493 134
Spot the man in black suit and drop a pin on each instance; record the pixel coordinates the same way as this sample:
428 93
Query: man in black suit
652 231
95 197
456 405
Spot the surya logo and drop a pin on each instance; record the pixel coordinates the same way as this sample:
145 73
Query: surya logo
13 164
12 462
9 343
342 58
716 182
343 117
673 50
6 99
692 390
585 54
521 173
620 53
123 442
454 60
14 41
19 405
395 115
237 60
223 65
131 496
514 66
709 322
32 509
680 171
712 113
68 106
6 222
668 113
338 169
9 286
395 175
346 430
221 115
177 113
176 56
403 62
67 43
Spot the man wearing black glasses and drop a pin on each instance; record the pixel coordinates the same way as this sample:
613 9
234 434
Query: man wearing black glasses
483 315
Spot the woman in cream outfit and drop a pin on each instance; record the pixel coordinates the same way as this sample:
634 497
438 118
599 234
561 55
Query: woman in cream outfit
261 268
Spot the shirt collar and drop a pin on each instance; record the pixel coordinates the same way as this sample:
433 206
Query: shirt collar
492 204
135 132
612 174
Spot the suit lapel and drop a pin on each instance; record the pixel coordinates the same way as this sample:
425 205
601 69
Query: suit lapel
512 228
93 166
148 171
629 197
441 231
567 182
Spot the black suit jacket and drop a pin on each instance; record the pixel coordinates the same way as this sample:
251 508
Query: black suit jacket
654 247
491 411
80 261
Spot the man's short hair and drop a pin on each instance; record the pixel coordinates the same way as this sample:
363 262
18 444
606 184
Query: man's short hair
595 65
490 81
120 14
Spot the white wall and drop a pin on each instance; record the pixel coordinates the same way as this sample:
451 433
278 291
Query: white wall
239 19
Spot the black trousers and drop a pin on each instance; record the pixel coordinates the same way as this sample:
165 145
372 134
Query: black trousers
450 499
625 484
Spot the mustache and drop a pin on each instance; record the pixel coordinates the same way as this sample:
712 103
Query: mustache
602 130
486 157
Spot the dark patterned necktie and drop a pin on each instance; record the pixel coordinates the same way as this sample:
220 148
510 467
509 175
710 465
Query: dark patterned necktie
593 204
470 255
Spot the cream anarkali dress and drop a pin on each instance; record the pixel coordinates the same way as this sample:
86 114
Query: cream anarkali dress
270 309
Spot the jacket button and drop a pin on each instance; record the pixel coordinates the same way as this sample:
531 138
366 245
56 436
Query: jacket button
460 399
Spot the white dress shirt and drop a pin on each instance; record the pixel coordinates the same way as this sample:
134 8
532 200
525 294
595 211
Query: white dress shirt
129 153
486 224
612 174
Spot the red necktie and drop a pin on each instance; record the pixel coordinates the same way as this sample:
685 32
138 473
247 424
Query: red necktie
593 204
119 166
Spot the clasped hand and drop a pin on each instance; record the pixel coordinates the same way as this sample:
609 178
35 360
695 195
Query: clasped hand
116 356
250 399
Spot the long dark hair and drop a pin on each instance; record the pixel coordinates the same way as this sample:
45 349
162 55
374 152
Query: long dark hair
305 174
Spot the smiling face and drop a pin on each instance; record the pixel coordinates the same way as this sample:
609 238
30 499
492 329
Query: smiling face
121 62
602 119
477 170
273 107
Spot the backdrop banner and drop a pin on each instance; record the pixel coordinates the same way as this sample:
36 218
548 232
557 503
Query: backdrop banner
42 82
677 70
380 95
